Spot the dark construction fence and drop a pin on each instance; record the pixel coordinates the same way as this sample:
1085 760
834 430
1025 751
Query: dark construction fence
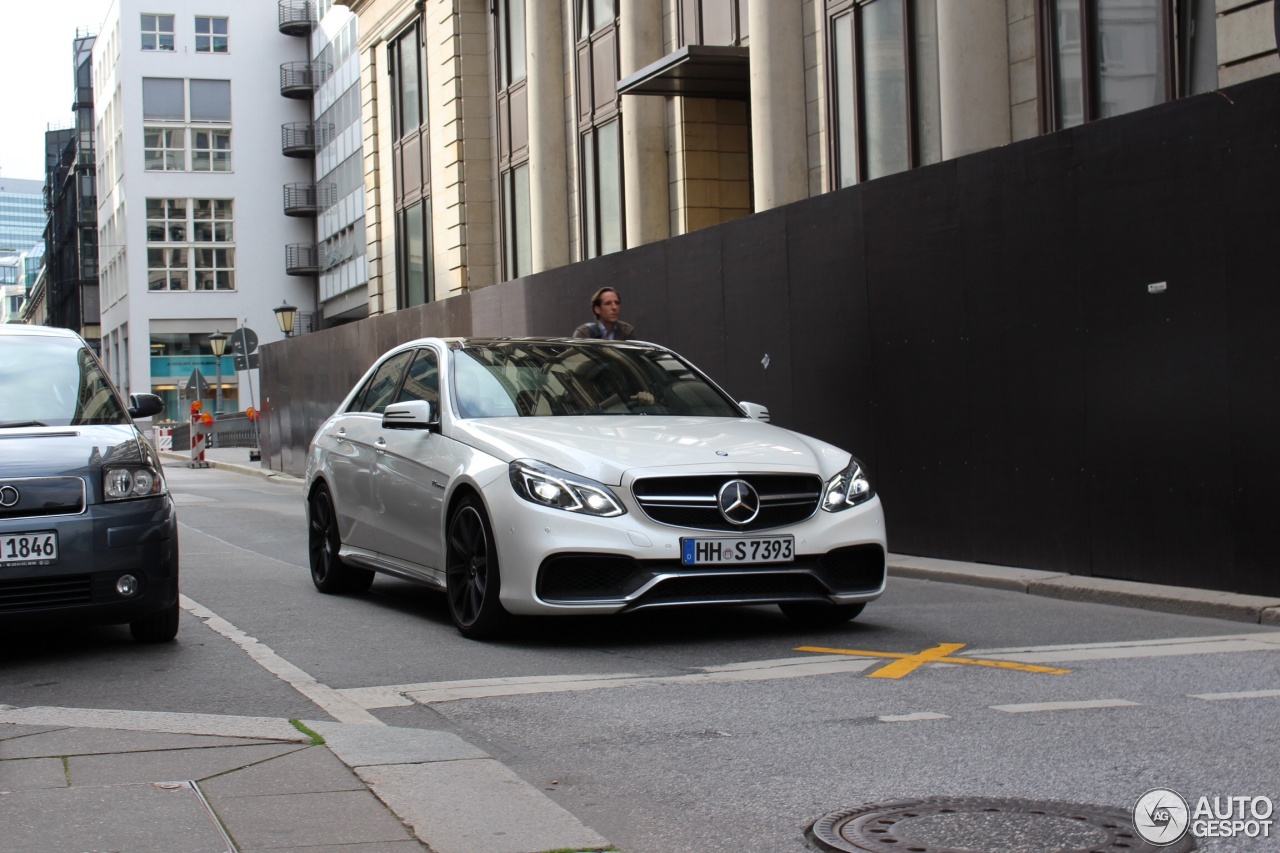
1061 354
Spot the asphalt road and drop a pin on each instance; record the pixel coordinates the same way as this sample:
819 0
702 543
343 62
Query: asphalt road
699 730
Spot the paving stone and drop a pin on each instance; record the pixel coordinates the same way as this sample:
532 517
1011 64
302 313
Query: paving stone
267 728
24 774
501 813
302 820
109 742
168 765
73 820
373 847
12 730
309 770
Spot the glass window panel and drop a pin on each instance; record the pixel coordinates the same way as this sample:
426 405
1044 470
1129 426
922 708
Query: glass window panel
590 190
1131 60
163 99
517 41
717 22
846 128
211 100
928 96
522 231
1204 48
415 255
1068 55
601 13
410 98
610 189
885 87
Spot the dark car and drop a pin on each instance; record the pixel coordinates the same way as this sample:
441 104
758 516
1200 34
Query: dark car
88 532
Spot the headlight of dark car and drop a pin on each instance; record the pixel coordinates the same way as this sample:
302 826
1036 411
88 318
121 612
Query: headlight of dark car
549 486
847 489
126 482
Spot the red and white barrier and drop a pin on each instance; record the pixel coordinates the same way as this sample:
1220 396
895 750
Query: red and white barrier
197 442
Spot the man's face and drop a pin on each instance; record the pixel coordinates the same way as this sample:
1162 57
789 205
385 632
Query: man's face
610 307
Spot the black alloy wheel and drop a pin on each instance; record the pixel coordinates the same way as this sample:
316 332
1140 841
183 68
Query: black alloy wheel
328 571
818 613
472 578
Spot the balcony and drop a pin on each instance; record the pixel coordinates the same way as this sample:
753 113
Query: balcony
297 17
302 259
308 199
301 79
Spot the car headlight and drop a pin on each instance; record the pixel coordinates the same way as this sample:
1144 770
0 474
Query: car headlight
848 488
548 486
122 482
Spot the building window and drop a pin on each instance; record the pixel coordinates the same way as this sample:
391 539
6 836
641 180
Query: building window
602 190
513 139
886 114
713 22
599 128
210 150
165 149
211 35
157 32
190 244
412 174
1104 58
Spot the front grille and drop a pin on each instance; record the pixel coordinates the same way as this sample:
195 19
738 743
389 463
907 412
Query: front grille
40 593
769 587
858 568
583 577
38 496
691 501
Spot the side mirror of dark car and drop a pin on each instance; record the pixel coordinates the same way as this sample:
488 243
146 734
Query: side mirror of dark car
145 405
412 414
755 410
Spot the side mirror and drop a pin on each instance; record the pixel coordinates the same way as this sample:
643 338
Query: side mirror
755 410
413 414
145 405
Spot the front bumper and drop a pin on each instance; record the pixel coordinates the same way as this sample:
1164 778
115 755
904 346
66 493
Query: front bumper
556 562
95 549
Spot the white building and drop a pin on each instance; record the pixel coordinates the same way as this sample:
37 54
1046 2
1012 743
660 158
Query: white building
192 232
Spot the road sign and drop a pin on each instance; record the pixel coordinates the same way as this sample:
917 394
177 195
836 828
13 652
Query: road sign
197 385
244 348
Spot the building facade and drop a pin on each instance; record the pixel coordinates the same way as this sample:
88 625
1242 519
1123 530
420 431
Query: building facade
21 215
508 137
187 123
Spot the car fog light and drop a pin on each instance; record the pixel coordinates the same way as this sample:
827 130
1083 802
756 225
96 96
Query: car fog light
127 585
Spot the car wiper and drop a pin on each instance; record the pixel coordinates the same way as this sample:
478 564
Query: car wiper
10 424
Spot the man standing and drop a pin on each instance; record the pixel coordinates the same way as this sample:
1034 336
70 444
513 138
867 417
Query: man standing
607 305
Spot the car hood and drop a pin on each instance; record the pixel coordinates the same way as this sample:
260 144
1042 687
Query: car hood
604 448
66 451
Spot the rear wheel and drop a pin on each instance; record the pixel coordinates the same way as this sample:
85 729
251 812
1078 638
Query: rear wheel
472 578
820 612
159 627
328 571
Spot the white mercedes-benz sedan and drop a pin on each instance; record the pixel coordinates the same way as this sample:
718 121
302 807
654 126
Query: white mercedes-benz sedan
578 476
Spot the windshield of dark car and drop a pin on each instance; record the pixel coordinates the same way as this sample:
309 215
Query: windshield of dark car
553 379
54 381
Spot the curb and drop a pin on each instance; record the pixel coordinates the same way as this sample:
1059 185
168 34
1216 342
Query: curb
1186 601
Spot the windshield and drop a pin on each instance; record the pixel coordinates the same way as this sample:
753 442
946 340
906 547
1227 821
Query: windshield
521 379
53 381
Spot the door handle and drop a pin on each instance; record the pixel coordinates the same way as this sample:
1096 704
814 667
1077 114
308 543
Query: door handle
380 445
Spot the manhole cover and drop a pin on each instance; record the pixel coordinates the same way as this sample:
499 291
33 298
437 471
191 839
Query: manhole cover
981 825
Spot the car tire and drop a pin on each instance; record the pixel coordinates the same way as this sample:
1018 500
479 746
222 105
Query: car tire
473 580
159 627
329 572
817 613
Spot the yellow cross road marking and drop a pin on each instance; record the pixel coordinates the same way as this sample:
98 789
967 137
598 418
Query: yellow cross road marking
941 653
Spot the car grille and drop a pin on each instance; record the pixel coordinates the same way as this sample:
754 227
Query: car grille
570 578
39 593
41 496
691 501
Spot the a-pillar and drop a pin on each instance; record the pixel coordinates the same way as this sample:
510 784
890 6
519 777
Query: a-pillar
548 192
779 148
973 72
644 127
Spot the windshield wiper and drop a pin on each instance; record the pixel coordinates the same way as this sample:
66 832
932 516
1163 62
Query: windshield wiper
10 424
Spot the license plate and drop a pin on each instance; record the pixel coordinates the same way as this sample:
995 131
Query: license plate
28 549
723 550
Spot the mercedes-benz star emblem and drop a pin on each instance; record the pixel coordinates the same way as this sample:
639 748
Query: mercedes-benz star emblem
8 496
739 503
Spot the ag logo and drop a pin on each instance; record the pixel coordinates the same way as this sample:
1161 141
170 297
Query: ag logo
1160 816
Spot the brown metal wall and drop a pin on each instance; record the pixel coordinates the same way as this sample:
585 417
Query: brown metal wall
980 332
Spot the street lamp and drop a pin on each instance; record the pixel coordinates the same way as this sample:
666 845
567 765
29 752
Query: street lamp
284 316
218 342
